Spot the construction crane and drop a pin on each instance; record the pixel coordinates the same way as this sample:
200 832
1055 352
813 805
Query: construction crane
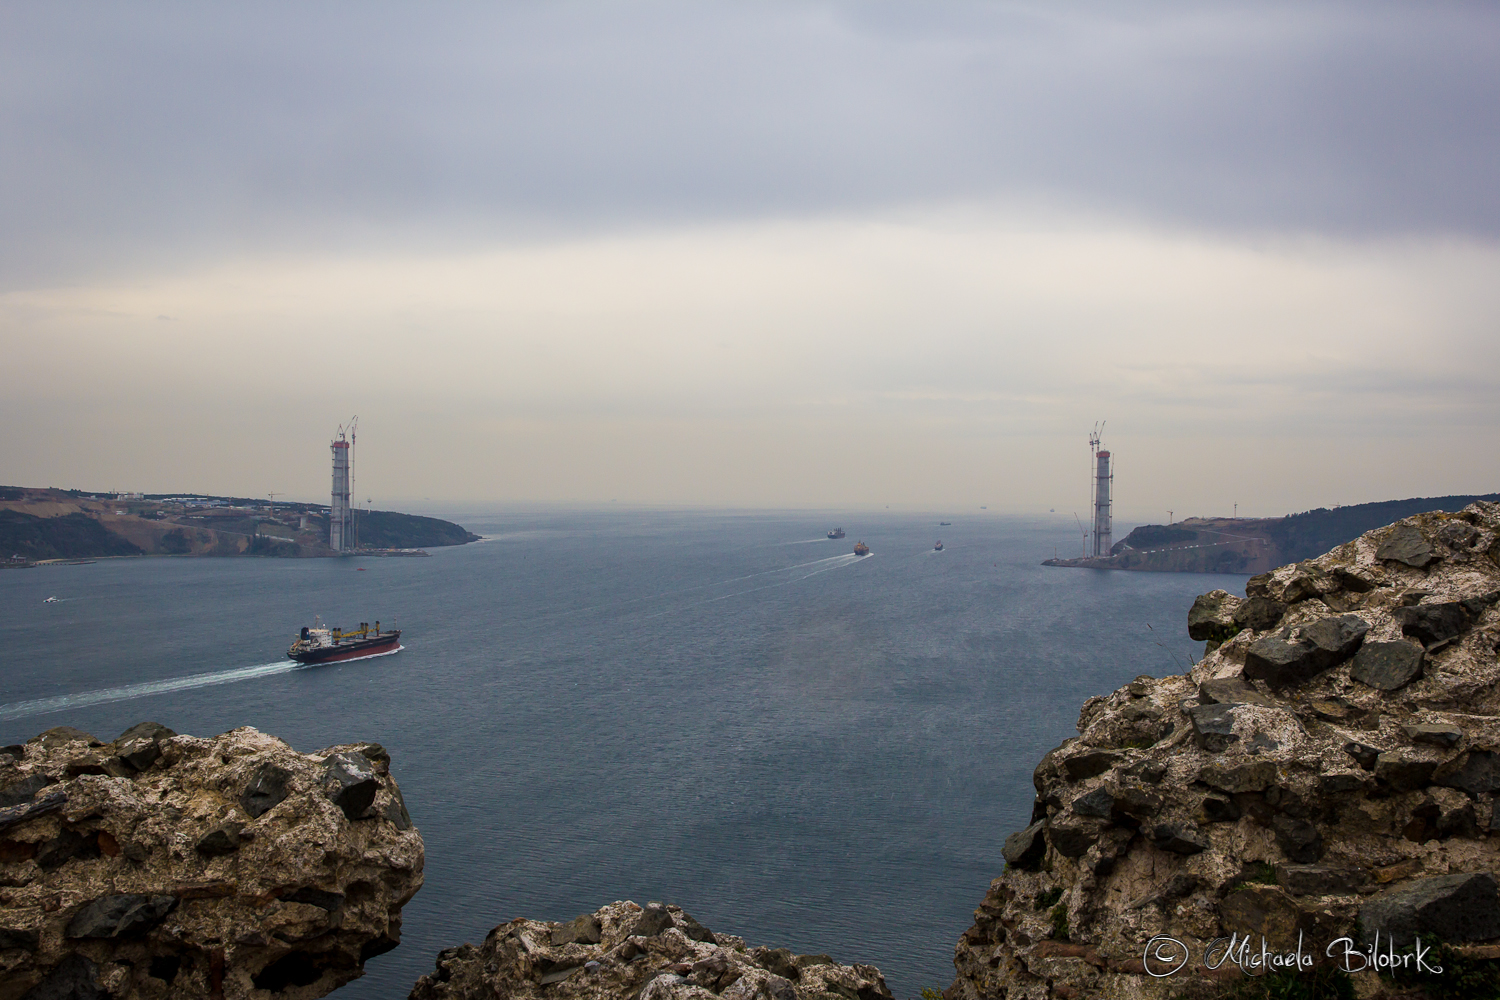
273 497
1084 545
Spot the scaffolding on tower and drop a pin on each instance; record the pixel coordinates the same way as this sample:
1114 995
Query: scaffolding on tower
1103 479
341 528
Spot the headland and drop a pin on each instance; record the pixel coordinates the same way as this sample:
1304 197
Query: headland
50 525
1255 544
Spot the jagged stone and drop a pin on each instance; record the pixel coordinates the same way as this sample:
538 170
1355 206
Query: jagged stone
1282 660
1179 838
1026 848
266 790
1099 803
1212 616
1475 772
150 874
653 920
24 789
1136 803
222 839
1253 776
119 915
1081 767
61 736
518 960
1299 840
351 783
1406 544
1072 840
1364 754
1459 907
1231 691
1403 773
1318 880
1213 726
1259 613
1437 734
140 745
1387 665
1218 809
73 978
1433 623
582 929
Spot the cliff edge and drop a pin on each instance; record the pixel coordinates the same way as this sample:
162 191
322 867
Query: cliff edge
163 866
1329 772
655 952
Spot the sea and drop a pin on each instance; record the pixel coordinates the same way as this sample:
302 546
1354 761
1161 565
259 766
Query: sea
724 710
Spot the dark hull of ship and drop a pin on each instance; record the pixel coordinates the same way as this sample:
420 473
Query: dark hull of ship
349 649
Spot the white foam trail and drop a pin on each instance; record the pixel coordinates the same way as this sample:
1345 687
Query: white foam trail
829 564
86 699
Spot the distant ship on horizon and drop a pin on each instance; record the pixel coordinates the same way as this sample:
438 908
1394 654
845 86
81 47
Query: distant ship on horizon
836 533
861 549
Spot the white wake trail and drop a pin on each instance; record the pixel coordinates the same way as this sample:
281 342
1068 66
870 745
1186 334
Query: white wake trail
85 699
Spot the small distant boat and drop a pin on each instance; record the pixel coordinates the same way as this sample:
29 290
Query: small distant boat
51 600
939 546
836 533
944 524
861 549
323 645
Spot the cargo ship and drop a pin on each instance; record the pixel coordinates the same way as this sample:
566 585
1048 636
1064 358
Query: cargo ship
836 533
325 645
861 549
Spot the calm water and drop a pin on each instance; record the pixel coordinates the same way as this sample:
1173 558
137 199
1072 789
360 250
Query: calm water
719 710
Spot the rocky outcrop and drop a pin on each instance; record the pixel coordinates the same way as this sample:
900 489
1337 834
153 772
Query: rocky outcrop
166 866
623 950
1330 768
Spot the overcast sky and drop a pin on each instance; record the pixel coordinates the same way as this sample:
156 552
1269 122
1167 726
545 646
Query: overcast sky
754 254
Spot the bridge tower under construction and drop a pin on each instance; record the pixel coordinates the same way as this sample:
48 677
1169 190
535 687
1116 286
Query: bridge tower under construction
1103 480
340 514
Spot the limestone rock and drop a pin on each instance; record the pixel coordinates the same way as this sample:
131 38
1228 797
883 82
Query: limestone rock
171 867
1212 616
533 960
1342 741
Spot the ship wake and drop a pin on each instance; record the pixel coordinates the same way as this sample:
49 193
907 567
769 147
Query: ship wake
103 696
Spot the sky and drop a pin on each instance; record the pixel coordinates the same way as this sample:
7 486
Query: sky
766 254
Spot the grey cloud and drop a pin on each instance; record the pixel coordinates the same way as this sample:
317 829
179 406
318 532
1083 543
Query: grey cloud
177 131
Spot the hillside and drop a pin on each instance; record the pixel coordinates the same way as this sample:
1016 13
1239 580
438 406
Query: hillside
45 524
1255 545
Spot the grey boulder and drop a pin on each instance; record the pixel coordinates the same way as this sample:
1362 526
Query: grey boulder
1461 907
1282 661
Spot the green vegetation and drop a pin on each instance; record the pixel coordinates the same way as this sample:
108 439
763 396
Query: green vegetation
1153 536
1060 922
1259 873
928 993
1462 978
383 529
1048 898
1312 533
72 536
